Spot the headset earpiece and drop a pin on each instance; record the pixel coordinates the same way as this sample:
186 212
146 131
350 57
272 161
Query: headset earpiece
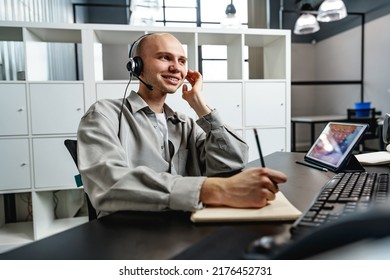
135 64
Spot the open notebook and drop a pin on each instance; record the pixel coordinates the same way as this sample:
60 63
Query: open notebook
279 209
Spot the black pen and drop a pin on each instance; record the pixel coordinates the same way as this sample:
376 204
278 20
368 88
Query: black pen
259 148
312 166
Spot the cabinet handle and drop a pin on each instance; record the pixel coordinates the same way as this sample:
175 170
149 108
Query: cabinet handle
21 109
78 109
23 164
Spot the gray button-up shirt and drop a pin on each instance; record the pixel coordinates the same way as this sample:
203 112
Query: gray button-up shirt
123 169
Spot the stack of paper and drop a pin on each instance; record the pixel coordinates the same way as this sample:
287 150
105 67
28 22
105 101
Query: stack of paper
375 158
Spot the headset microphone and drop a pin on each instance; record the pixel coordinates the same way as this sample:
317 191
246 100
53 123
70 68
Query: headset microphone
149 86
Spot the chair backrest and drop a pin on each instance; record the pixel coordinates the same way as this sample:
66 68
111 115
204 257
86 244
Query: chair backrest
71 145
367 116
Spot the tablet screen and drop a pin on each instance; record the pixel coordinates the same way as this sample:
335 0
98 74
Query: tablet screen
335 144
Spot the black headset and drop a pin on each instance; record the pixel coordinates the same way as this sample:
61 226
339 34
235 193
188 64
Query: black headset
135 64
135 67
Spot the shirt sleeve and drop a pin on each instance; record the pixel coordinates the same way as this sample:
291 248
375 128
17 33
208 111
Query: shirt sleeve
113 184
221 150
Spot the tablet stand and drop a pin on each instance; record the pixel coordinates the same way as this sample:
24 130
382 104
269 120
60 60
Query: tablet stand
353 165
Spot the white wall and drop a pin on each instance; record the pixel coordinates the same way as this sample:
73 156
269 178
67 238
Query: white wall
303 69
377 63
338 58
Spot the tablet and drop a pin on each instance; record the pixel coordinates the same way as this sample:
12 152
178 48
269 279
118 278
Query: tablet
333 148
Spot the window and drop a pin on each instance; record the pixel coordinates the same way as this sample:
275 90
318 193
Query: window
208 14
202 13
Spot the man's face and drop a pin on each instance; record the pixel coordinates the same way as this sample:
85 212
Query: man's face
164 63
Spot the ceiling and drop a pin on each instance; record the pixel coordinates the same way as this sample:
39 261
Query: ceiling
371 9
357 10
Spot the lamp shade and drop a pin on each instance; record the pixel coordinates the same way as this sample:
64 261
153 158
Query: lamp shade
331 10
306 24
230 20
230 9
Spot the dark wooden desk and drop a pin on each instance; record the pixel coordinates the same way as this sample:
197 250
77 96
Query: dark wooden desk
140 235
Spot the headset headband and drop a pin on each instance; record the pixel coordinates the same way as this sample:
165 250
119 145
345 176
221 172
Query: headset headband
135 44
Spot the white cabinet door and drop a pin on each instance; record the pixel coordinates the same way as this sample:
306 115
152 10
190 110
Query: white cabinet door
271 140
53 165
13 109
265 104
227 99
14 164
56 108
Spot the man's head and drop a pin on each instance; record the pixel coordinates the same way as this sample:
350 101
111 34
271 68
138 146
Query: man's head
163 62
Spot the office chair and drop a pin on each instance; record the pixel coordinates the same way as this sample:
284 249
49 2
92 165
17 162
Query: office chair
71 145
367 116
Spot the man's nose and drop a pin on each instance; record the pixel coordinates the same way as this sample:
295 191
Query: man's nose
174 67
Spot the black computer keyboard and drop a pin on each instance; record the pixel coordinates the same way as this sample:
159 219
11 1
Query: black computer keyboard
344 194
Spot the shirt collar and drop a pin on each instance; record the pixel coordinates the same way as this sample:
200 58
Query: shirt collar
137 104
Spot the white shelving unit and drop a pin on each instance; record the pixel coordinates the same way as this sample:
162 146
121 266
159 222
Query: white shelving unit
37 114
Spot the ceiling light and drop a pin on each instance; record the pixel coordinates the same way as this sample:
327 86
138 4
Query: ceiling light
306 24
331 10
230 20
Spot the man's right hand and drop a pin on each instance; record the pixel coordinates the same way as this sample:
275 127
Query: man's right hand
252 188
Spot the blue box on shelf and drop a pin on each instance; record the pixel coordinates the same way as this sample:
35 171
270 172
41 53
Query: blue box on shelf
362 109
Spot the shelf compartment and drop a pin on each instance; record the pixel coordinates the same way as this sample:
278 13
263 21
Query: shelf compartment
234 50
16 227
56 211
13 235
270 55
51 54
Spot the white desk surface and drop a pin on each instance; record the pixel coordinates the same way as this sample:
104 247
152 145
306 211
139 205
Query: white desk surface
323 118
